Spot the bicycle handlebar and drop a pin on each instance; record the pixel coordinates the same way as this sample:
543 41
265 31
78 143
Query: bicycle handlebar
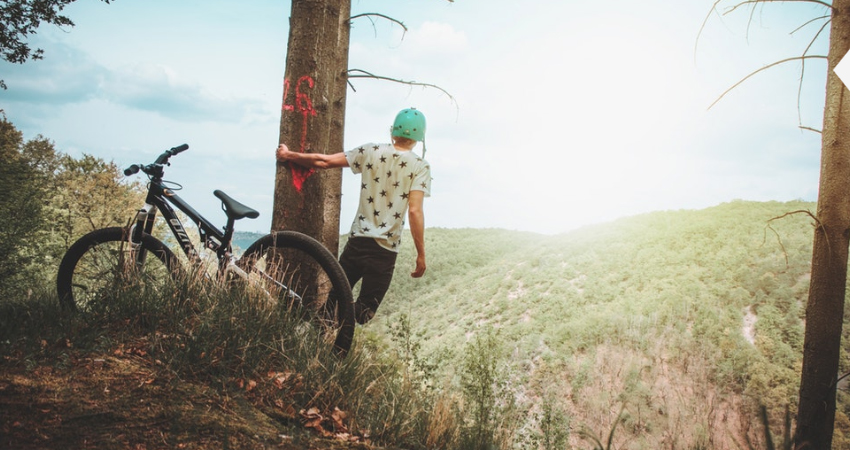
156 167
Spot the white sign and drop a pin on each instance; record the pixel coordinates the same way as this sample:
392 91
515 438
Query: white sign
843 69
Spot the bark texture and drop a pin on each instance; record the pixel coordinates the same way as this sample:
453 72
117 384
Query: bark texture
313 117
825 308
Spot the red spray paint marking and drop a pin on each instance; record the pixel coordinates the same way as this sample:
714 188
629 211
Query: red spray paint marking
304 105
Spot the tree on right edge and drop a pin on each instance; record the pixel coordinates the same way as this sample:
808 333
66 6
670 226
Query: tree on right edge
825 307
827 290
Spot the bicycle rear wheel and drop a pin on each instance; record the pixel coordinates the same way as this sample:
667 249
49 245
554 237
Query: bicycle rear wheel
299 271
104 261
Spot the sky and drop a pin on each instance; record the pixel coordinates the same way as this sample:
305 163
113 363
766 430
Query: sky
563 113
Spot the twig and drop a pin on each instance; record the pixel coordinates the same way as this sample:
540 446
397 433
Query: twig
359 73
813 20
747 2
778 237
400 23
803 71
811 129
795 58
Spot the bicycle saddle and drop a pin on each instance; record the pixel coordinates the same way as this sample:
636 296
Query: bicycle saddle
233 209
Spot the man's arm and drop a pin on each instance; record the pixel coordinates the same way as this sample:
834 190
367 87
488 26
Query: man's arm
311 160
416 217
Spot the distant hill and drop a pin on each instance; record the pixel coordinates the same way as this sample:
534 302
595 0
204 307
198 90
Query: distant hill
242 239
674 315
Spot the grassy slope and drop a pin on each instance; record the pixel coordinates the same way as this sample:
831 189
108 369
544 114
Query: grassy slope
636 307
645 315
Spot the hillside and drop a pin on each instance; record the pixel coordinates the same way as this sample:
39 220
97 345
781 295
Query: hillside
671 327
680 317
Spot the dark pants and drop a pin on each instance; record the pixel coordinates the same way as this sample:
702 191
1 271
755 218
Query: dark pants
363 259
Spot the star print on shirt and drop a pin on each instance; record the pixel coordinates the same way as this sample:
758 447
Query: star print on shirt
375 147
361 150
403 164
369 166
362 185
370 200
383 193
397 215
389 173
357 165
382 225
377 179
361 218
405 195
396 184
377 213
390 205
389 234
383 159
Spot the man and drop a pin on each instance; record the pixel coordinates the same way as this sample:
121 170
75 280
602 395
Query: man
394 180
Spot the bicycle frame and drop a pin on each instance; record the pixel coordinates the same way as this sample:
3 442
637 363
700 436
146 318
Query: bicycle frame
158 198
161 197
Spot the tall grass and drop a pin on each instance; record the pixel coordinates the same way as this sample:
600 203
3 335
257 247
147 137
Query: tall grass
234 340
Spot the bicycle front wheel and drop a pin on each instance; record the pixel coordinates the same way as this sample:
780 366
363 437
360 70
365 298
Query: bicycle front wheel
299 271
104 262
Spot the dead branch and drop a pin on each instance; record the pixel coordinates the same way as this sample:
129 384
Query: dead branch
805 55
702 27
811 129
748 2
369 16
768 226
795 58
807 23
803 70
358 73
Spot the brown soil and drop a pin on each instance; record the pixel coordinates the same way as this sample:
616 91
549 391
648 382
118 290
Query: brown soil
127 401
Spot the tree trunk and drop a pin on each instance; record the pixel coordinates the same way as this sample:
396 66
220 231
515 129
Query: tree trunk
825 308
313 117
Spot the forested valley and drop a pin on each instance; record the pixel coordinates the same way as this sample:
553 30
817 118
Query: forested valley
670 329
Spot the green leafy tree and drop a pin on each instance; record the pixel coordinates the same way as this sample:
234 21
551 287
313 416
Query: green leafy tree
51 199
21 18
21 206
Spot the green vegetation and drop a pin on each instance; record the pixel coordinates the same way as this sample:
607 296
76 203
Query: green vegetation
685 319
663 330
49 200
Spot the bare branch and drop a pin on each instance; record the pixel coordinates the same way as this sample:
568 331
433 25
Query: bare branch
811 129
803 71
702 27
358 73
400 23
813 20
768 226
796 58
747 2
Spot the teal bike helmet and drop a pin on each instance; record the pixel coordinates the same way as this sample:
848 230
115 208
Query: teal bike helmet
410 124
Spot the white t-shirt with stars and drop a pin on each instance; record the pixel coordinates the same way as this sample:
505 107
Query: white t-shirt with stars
387 177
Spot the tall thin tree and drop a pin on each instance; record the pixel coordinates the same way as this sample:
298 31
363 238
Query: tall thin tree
825 308
827 290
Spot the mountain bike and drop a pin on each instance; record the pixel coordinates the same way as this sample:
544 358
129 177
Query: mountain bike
285 266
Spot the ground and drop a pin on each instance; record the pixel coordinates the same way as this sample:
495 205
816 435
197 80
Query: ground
128 401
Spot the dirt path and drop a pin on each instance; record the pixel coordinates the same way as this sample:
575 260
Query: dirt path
125 402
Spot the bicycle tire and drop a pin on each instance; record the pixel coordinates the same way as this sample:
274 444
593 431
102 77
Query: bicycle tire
290 259
96 262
